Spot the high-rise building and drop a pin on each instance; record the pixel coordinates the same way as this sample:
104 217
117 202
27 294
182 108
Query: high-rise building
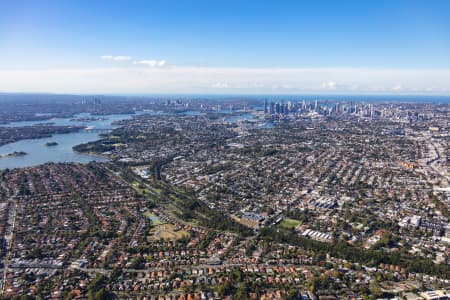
290 106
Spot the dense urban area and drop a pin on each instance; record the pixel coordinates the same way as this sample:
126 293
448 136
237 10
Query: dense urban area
237 198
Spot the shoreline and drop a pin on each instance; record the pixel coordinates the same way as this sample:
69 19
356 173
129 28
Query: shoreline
90 154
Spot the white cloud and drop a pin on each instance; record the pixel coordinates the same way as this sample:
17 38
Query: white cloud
330 85
116 58
258 85
242 85
283 86
146 62
220 85
151 63
397 88
163 78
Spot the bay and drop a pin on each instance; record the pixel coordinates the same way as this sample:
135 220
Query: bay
38 153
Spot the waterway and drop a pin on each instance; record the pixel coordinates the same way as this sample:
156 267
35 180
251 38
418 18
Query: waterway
241 117
39 153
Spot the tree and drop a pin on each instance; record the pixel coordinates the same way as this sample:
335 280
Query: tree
242 292
96 289
103 294
225 289
375 289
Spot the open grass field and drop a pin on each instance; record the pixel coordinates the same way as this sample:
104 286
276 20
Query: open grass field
289 223
135 184
246 222
167 232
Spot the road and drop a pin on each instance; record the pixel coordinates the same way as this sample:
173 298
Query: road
186 267
9 237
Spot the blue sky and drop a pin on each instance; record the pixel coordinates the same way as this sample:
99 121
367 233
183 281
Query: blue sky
347 46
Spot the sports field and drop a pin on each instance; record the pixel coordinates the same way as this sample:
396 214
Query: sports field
154 218
290 223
